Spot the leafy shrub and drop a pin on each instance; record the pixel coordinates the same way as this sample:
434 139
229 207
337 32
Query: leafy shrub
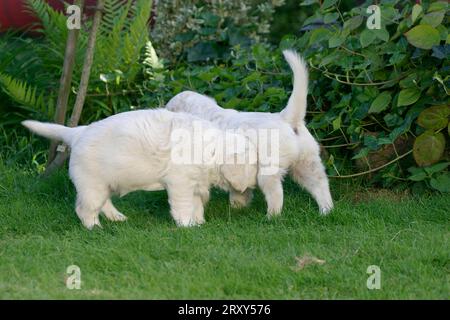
375 95
205 30
124 59
383 89
378 99
118 51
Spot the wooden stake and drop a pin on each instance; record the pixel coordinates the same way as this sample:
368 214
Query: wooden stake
65 81
63 152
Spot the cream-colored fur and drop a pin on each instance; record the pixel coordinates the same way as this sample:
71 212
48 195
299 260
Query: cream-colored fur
133 151
298 150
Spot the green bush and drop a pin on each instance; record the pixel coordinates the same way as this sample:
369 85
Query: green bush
207 29
378 98
30 70
384 90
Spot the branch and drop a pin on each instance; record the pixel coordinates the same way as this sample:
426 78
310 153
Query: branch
374 169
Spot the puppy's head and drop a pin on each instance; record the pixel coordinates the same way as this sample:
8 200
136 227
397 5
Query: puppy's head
239 168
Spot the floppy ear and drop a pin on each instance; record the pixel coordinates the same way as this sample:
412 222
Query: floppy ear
239 176
240 167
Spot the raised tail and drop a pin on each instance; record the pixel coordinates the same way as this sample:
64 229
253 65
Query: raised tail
295 110
54 131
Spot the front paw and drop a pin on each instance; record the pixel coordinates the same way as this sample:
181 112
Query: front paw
273 212
326 209
199 220
91 222
187 223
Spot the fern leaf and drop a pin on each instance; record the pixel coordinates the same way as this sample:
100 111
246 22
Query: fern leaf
26 95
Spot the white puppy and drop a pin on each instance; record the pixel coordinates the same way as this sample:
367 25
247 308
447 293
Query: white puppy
135 151
298 150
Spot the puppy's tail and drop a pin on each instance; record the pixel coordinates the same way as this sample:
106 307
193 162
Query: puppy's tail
54 131
295 110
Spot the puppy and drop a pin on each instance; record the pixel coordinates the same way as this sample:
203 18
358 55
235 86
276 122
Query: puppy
142 150
298 150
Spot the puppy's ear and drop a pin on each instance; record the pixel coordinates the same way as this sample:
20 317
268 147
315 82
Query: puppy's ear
240 167
240 176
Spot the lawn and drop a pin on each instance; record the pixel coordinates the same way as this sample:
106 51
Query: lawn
238 253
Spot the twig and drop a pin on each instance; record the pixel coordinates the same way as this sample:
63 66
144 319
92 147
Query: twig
335 76
374 169
341 145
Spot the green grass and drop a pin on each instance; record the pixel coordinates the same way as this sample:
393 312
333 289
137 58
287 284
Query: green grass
236 254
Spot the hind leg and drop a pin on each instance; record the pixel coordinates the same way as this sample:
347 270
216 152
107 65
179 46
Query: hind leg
91 196
111 213
88 208
310 173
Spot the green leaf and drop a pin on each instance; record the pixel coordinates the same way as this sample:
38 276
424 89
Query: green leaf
435 117
319 35
408 96
423 36
433 19
336 40
381 102
382 34
436 168
417 9
330 17
26 95
392 120
367 37
443 32
441 183
409 81
437 6
418 176
233 103
353 23
361 154
328 3
428 148
337 123
254 76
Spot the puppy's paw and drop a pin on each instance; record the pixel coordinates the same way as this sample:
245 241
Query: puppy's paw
325 210
273 212
199 221
186 223
91 222
116 216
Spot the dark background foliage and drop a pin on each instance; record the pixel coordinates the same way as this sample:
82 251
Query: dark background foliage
378 99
